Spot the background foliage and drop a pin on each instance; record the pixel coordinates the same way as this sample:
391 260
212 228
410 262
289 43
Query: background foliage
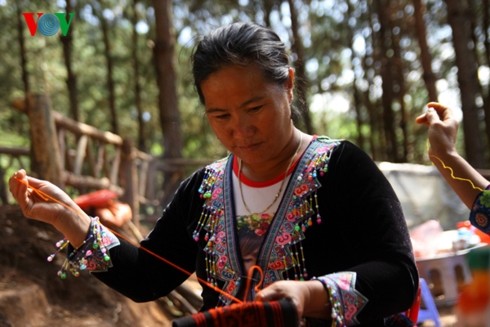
364 73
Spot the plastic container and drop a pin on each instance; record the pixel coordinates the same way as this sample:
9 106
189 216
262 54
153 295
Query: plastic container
485 238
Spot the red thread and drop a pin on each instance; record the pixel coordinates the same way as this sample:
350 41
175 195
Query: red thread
249 280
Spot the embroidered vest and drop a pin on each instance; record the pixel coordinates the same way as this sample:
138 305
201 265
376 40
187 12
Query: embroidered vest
281 250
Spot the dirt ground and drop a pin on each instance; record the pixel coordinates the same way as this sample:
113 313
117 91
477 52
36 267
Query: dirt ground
31 294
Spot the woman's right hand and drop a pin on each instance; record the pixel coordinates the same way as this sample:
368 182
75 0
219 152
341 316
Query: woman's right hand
46 202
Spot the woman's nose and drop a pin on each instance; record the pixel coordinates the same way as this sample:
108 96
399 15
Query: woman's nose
242 127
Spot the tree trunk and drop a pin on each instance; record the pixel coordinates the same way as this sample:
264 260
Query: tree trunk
268 5
71 79
301 78
468 80
167 98
399 92
356 94
376 139
387 80
485 28
473 13
23 53
46 157
357 109
25 75
110 74
425 56
136 79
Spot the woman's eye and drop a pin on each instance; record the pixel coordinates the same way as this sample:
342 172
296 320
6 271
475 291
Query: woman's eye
255 109
221 117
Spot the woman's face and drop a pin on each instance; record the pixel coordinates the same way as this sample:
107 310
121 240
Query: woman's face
249 114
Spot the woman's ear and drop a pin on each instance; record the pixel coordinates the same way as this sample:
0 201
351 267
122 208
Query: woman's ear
290 84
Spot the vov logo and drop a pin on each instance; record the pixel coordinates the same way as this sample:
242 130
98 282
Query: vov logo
48 24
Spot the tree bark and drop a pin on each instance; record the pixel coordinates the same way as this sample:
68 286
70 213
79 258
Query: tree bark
136 79
167 97
485 27
267 5
23 52
399 91
425 56
301 78
71 78
387 80
46 156
468 80
109 75
376 139
356 94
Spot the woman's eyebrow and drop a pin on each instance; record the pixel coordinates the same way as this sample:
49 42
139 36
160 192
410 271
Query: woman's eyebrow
252 100
214 110
243 104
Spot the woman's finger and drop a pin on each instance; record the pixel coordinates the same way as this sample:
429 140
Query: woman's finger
442 111
432 116
422 119
18 185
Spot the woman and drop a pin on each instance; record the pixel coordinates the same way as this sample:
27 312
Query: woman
329 230
467 182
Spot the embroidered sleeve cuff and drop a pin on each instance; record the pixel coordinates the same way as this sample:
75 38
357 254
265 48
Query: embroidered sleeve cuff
345 301
92 255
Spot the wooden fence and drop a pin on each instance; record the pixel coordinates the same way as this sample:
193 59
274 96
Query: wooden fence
82 158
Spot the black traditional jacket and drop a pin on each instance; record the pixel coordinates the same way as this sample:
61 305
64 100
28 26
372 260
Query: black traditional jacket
338 214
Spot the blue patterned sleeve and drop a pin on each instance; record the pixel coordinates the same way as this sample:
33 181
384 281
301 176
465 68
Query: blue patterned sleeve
480 212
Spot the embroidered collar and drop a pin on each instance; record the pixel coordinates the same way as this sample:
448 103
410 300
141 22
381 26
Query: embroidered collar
281 254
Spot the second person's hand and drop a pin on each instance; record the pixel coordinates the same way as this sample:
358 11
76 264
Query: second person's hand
442 129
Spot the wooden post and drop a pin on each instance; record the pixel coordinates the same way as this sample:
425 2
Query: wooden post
129 180
46 157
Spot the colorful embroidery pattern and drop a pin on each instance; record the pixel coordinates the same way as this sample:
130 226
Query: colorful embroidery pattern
281 255
480 213
92 255
345 300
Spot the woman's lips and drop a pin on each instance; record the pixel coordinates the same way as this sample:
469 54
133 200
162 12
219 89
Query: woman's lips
248 147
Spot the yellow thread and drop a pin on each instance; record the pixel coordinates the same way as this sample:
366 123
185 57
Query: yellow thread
452 171
455 177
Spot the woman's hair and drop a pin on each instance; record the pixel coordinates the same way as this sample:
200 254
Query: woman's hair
240 44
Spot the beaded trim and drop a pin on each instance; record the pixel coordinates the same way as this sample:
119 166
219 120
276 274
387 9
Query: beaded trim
258 223
345 301
281 255
92 255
